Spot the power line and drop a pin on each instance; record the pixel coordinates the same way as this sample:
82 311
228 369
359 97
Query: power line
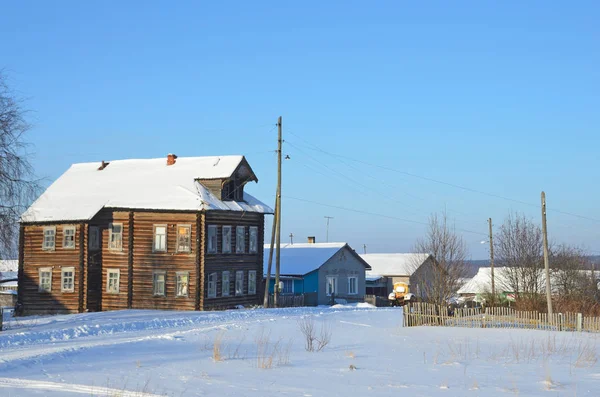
465 188
376 214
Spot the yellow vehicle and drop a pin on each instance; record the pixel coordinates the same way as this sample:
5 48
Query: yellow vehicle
400 296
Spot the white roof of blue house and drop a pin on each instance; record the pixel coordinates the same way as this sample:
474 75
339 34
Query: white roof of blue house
301 259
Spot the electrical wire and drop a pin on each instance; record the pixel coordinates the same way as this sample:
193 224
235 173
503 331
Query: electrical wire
456 186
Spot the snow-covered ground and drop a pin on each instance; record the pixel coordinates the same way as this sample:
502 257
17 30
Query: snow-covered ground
149 353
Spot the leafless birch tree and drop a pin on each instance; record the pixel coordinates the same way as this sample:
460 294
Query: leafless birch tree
17 184
440 281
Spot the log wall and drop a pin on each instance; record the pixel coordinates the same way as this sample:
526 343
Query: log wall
33 257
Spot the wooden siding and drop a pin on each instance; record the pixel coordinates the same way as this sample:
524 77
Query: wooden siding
113 259
137 261
219 262
146 261
214 185
33 257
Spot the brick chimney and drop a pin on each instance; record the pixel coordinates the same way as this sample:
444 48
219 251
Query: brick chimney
311 239
171 158
103 165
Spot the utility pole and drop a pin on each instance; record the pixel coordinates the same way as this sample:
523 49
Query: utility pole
278 210
328 218
492 261
365 248
269 267
291 238
546 264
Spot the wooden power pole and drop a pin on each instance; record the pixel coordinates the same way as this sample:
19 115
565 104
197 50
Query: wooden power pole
546 264
328 219
278 211
492 261
269 267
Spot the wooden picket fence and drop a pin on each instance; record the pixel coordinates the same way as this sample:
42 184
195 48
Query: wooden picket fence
423 314
287 301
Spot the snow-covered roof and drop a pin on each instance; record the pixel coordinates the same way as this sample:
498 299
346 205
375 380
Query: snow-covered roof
393 264
83 189
300 259
9 265
482 281
8 270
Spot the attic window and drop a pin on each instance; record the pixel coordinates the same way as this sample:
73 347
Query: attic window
228 192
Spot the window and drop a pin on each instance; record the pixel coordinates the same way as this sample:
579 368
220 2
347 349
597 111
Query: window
158 283
94 243
352 285
252 282
49 237
288 286
115 236
228 192
68 279
253 240
45 279
240 242
69 237
331 285
182 283
184 238
212 285
226 240
212 239
226 287
239 283
112 281
160 238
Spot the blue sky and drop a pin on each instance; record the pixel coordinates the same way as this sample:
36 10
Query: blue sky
499 96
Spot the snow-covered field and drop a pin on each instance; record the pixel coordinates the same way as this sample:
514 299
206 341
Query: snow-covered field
148 353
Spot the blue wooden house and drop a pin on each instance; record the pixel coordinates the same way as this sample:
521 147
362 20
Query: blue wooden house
320 271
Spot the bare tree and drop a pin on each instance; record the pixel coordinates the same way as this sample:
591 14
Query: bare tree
17 184
519 247
572 272
440 281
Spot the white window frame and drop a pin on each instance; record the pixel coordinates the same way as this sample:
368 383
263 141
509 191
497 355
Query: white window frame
225 284
62 279
155 275
155 247
211 239
41 284
94 238
48 247
178 282
111 226
187 237
212 285
226 242
355 285
253 240
118 282
240 249
252 282
327 284
239 283
74 230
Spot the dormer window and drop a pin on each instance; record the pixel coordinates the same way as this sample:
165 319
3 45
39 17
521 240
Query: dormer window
228 192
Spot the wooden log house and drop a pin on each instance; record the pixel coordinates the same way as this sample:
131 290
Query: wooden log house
174 233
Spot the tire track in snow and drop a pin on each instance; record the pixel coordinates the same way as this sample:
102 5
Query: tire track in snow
69 346
15 383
